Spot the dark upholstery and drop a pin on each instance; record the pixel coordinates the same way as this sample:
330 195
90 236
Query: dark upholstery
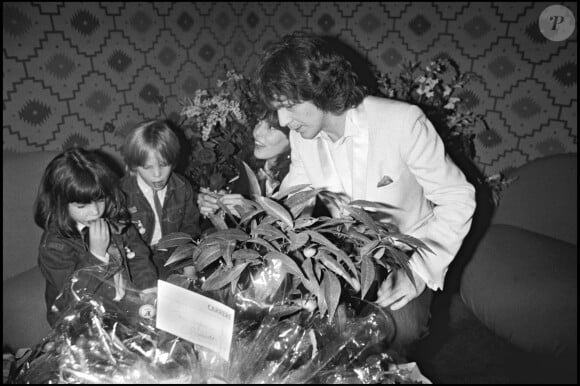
23 307
521 281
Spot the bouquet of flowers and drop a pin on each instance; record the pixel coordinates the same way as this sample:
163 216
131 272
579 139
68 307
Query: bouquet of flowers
219 126
432 88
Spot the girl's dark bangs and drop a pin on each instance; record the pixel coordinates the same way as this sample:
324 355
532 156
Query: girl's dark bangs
86 190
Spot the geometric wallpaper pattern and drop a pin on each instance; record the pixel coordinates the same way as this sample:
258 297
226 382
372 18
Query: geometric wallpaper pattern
84 73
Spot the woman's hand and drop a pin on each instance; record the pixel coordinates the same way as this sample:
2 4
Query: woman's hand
397 290
99 237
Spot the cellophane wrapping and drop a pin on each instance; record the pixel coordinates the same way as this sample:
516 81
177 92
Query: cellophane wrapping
99 340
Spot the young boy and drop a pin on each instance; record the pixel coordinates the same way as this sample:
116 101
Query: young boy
160 201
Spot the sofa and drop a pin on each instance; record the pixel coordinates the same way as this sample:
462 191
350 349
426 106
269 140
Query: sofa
521 281
23 306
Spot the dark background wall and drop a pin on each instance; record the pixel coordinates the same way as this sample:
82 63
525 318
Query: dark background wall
70 68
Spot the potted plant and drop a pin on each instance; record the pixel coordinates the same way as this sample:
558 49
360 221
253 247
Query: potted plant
322 256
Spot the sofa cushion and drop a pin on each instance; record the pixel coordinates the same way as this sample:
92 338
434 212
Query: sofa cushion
522 285
21 236
24 310
543 198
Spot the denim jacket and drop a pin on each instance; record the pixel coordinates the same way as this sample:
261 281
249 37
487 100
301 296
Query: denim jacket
180 213
60 256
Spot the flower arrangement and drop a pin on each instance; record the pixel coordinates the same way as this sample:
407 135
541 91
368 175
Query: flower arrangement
433 89
219 125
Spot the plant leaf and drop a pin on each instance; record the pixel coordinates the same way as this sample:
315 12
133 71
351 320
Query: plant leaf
297 240
254 185
276 210
174 239
367 275
245 254
222 276
217 221
331 288
368 247
333 265
402 260
363 217
270 231
411 241
182 252
262 242
304 222
250 215
320 239
289 191
208 256
230 234
287 262
231 244
301 200
312 281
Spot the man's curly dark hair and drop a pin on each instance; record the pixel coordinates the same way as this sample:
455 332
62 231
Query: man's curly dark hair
304 67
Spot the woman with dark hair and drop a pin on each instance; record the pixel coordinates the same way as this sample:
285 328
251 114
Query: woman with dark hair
272 149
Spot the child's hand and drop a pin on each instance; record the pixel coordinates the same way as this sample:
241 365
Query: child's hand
99 237
149 295
207 201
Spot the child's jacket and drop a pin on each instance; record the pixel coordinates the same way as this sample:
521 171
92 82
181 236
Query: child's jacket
59 257
180 213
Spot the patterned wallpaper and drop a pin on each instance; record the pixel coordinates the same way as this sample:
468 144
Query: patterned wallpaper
71 68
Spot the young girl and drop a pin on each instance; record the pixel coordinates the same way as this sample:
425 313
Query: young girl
79 196
160 200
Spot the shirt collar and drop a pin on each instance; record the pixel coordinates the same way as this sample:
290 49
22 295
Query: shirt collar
350 130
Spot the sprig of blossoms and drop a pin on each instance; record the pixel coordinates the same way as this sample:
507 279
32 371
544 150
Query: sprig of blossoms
223 119
432 89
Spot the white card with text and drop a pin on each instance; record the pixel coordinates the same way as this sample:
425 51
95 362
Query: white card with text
195 317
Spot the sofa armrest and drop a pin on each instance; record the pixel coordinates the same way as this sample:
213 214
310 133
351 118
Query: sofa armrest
24 321
523 286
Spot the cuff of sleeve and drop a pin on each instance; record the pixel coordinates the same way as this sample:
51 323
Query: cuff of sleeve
418 266
150 290
104 259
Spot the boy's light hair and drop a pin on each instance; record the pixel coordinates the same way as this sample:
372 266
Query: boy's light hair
150 136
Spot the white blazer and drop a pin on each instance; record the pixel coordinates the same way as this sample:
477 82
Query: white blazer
429 195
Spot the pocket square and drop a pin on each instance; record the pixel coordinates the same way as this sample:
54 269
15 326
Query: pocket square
384 181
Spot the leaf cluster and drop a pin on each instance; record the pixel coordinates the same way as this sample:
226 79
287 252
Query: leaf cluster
323 255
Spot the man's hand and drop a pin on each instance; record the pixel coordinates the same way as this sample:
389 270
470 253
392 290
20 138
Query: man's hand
99 237
397 290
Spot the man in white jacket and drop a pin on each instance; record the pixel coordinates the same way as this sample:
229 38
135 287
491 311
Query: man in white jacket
372 149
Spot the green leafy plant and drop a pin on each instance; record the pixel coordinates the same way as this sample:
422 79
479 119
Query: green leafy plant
323 255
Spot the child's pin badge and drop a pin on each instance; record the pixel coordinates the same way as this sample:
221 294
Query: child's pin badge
130 253
140 227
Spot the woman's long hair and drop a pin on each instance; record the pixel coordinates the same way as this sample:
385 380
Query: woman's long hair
81 176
